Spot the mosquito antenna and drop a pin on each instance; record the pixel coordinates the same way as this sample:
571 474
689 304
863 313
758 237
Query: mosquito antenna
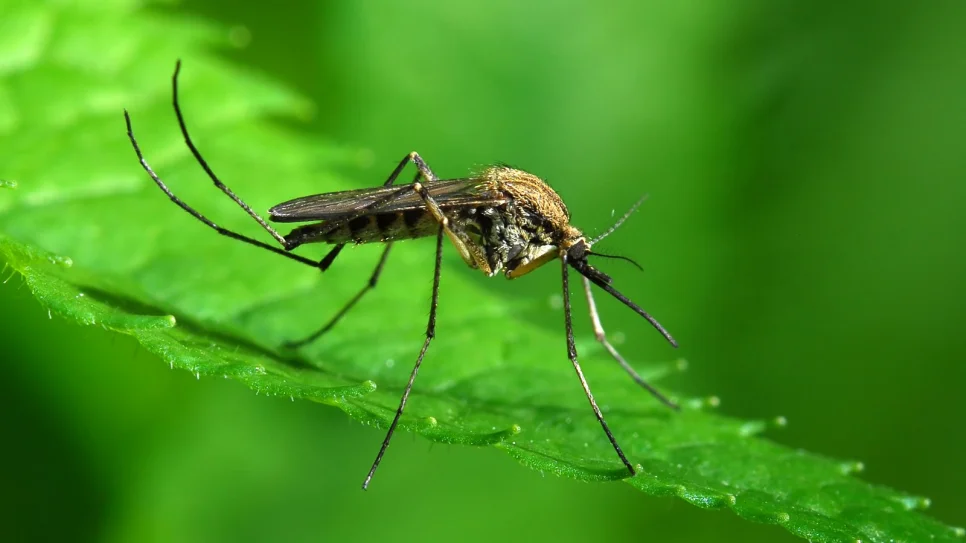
619 221
618 257
599 279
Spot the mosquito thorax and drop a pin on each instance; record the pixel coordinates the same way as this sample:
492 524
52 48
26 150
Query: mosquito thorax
526 230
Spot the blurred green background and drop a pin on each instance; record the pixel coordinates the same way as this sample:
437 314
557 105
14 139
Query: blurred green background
803 240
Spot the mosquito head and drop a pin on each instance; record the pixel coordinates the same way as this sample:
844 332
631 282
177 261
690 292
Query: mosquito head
577 258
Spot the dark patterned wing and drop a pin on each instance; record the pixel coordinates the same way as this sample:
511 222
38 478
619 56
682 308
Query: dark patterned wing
447 193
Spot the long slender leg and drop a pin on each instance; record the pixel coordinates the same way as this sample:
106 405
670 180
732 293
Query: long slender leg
198 215
286 246
602 338
372 280
345 309
572 353
430 334
204 164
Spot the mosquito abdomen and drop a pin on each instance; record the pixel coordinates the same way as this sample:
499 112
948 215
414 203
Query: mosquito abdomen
371 228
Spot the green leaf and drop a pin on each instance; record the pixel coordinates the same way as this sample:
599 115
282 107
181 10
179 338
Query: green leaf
97 243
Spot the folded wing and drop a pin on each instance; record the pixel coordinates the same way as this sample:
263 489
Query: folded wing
447 193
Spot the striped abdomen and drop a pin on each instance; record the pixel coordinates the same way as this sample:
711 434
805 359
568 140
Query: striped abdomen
375 227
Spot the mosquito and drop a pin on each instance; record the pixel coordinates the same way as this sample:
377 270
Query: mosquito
501 219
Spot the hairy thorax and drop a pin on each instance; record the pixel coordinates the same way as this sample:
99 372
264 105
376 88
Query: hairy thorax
527 229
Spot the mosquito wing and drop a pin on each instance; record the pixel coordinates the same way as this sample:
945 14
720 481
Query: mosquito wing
447 193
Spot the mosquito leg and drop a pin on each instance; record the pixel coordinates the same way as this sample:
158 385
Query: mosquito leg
198 215
422 166
329 258
430 334
345 309
286 246
572 353
602 338
204 164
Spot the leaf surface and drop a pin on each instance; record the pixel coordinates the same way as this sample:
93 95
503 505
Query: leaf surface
97 243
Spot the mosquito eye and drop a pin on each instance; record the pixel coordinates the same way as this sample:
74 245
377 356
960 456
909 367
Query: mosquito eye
577 252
